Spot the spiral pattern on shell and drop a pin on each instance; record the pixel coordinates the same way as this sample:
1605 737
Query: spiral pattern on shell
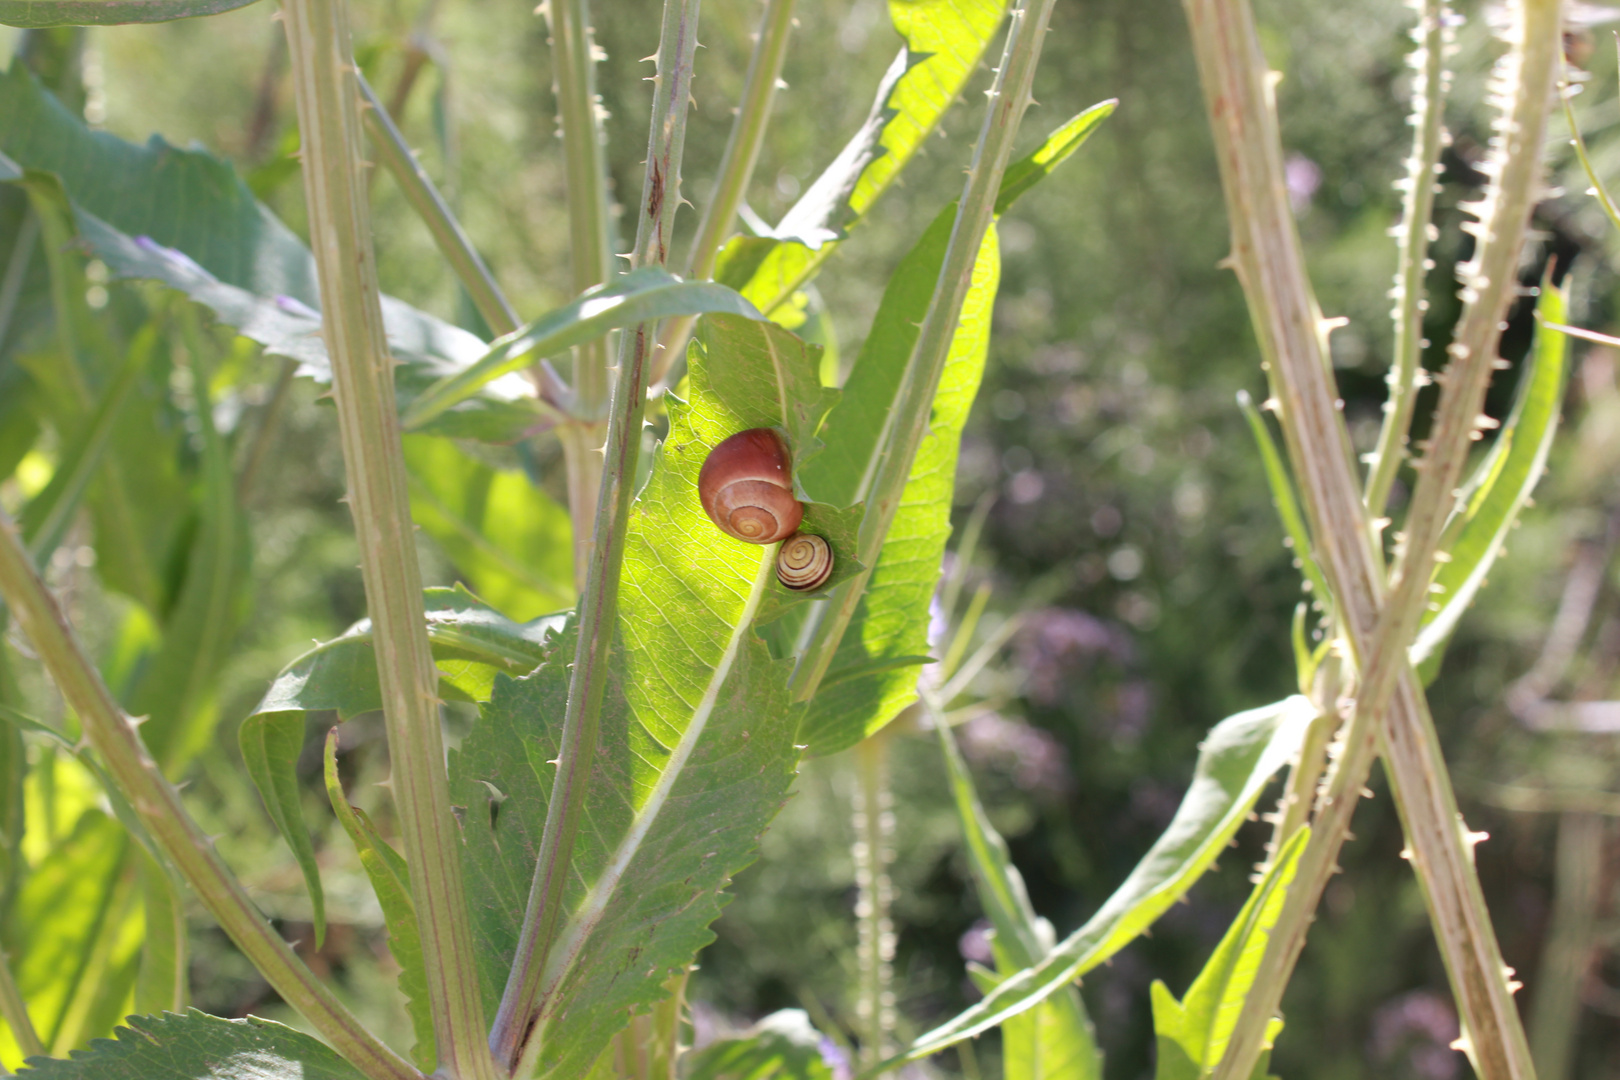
746 487
804 562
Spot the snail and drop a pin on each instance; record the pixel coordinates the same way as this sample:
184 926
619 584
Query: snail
746 487
805 562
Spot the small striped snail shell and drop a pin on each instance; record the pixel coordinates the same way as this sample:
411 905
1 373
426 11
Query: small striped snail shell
746 487
804 562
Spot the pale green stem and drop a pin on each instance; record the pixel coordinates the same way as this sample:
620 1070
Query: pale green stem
14 1011
452 240
874 844
1270 265
1008 97
1433 36
368 424
736 170
265 434
599 602
579 115
1598 191
116 739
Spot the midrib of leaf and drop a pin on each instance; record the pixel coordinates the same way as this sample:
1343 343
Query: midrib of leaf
578 929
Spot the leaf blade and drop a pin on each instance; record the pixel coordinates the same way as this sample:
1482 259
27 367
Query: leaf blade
40 14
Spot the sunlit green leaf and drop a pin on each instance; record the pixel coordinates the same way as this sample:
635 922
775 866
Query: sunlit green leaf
1236 761
1503 484
511 542
944 40
697 733
1192 1034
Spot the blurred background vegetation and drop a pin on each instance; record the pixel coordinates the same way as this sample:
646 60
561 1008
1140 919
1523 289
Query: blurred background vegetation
1127 515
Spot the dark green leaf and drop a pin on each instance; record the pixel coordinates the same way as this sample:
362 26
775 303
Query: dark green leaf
391 881
1283 498
196 1046
782 1046
471 642
35 14
271 744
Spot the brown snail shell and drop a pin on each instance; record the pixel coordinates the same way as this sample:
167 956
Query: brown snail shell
746 487
804 562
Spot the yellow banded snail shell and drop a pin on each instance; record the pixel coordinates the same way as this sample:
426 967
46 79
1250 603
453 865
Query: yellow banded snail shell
746 487
804 562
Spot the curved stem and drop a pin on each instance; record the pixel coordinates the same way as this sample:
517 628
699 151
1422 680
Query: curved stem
14 1011
1433 35
116 739
368 424
736 170
452 240
598 609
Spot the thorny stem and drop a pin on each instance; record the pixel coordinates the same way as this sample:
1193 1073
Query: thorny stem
452 240
116 739
1434 37
736 170
873 852
521 1004
1270 265
1598 190
579 115
1009 97
368 424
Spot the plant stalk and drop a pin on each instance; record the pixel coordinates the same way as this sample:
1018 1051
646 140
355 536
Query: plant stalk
598 609
1009 97
116 739
736 170
579 116
873 852
1270 265
362 380
452 240
1433 36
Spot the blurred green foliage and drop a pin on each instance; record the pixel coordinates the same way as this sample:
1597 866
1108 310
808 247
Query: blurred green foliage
1130 510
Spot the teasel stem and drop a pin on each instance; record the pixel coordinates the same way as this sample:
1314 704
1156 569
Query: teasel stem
328 95
1434 37
598 609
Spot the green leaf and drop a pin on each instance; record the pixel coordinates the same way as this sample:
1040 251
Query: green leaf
471 642
162 980
271 743
1235 763
1055 1039
196 1046
696 748
1027 172
1283 498
68 904
184 219
391 881
867 683
1193 1034
645 294
944 41
36 14
1501 487
511 542
782 1046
